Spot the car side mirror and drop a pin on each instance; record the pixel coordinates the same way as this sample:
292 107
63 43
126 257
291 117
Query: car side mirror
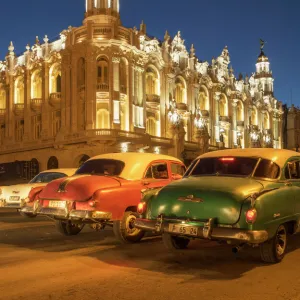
176 177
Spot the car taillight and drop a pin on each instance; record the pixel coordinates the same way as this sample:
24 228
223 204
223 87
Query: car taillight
251 215
141 208
92 203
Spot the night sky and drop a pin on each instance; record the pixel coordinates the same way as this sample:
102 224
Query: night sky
210 25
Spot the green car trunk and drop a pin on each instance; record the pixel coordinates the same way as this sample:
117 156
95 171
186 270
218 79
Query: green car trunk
201 198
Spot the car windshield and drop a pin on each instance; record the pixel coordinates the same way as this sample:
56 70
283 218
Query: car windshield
223 166
47 177
108 167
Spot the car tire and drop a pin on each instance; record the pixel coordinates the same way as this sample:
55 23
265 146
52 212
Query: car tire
125 231
68 228
273 250
31 216
174 242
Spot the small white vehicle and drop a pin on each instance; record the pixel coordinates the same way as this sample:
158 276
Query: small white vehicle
14 196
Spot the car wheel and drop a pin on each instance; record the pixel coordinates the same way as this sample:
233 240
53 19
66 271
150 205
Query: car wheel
68 228
174 242
31 216
125 230
273 251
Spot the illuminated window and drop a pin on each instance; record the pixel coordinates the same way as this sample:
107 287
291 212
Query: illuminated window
19 90
123 76
2 99
239 111
36 85
152 84
36 127
102 119
151 126
56 122
19 130
180 91
102 71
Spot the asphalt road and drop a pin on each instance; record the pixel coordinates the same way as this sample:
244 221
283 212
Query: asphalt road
36 262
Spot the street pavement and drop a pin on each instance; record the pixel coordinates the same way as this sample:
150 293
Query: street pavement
36 262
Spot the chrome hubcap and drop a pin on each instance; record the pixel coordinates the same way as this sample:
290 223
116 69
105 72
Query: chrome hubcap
281 241
130 229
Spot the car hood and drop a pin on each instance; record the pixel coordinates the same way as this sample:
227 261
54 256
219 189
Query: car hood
19 190
77 188
202 198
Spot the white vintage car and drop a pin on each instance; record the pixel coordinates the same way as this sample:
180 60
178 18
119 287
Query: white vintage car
14 196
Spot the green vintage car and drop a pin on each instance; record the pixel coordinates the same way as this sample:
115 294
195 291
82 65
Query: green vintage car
240 196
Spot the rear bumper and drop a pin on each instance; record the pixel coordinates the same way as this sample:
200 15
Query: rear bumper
5 204
208 231
65 214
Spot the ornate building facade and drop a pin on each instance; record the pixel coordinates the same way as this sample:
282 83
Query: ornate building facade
292 128
102 87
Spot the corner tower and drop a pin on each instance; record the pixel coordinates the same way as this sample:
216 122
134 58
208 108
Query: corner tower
263 75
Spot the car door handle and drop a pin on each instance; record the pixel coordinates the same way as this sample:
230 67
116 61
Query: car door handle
146 183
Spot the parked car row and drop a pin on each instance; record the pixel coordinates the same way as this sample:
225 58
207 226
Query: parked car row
238 196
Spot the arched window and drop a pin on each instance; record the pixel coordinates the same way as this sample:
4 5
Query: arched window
36 85
102 119
52 163
34 168
81 73
223 106
152 82
151 126
82 160
239 111
267 121
254 116
203 99
2 99
180 91
123 76
102 71
19 90
55 79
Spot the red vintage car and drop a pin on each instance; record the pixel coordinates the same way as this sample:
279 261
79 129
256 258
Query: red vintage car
105 190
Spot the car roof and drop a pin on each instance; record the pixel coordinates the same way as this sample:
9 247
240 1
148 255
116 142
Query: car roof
67 171
279 156
135 163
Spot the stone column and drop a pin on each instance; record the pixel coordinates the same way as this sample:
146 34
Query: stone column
90 91
75 101
163 101
217 116
234 122
45 104
27 100
115 116
131 95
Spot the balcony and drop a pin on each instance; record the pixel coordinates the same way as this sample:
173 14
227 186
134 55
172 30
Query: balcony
224 119
240 123
181 106
55 99
102 87
205 113
36 104
19 108
153 99
2 113
123 89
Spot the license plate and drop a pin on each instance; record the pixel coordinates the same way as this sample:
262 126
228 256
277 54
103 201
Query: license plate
14 198
57 204
183 229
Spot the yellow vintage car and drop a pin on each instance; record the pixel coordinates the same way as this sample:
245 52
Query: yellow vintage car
14 196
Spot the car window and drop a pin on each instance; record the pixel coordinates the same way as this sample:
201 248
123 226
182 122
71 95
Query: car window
108 167
47 177
224 166
267 169
177 169
157 171
292 170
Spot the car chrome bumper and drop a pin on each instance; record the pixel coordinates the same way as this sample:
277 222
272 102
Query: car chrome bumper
75 215
5 204
208 231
